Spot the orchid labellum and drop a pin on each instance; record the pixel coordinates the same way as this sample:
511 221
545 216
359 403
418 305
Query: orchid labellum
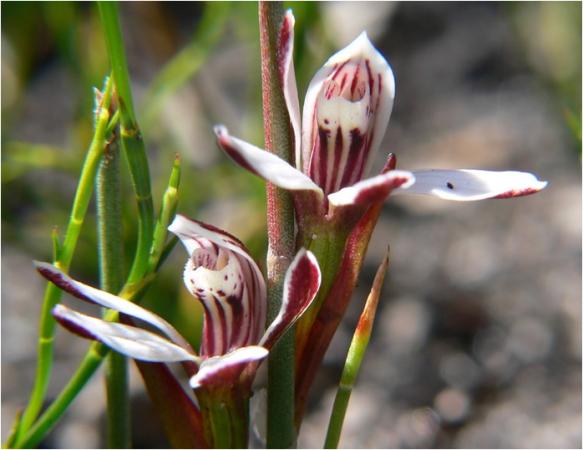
346 111
221 274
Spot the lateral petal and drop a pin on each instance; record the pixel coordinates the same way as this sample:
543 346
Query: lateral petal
288 79
471 185
300 286
107 300
130 341
370 190
264 164
225 369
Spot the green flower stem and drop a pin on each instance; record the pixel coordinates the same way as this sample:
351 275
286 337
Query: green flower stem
63 260
131 138
354 358
167 212
280 227
109 233
49 418
97 351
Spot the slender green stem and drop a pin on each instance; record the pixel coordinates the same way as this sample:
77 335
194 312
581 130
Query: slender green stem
109 233
354 358
87 368
97 351
52 293
280 225
131 138
167 212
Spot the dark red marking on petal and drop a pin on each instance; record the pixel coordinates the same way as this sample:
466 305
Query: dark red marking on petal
356 143
379 191
283 46
300 289
370 77
517 193
337 156
343 82
339 70
354 83
228 237
322 168
235 155
73 327
390 163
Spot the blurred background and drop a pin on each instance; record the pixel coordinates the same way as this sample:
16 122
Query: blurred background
478 334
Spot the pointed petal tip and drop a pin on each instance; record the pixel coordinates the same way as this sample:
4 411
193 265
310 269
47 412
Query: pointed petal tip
289 15
534 188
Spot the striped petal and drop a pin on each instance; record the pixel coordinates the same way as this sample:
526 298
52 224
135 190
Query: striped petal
347 108
370 190
224 370
130 341
470 185
107 300
264 164
221 274
288 79
301 284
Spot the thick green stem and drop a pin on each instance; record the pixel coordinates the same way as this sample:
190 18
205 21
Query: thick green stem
63 261
280 227
131 138
109 234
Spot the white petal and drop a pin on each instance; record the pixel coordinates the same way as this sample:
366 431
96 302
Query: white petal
218 369
288 75
470 185
300 286
131 341
371 189
107 300
264 164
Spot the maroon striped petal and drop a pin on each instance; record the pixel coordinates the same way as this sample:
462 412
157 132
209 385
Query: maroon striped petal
225 370
366 192
346 112
221 274
301 284
287 75
263 163
130 341
107 300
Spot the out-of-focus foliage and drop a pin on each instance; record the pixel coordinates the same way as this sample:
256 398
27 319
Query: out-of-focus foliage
551 37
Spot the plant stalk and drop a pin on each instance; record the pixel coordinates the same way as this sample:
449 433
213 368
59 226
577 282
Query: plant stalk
109 234
280 228
64 257
354 358
131 138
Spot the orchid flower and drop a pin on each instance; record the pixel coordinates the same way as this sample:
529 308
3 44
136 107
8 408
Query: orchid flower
222 275
345 113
